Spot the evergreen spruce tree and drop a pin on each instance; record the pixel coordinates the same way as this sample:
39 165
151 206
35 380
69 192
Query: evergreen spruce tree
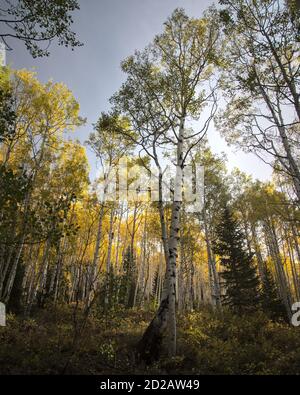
239 273
270 301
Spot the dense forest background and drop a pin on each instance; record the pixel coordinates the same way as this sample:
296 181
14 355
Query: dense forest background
95 282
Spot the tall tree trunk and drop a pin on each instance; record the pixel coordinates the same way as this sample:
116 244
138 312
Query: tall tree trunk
260 261
91 281
141 275
214 277
149 347
108 259
280 274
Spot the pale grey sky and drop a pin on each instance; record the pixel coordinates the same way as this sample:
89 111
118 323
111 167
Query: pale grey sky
111 30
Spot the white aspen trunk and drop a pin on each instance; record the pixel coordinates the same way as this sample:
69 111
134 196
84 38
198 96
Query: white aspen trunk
141 271
13 271
118 240
180 286
281 276
260 262
191 283
91 281
295 238
42 275
289 243
31 281
120 269
173 243
294 271
60 270
52 278
161 278
164 231
285 262
214 277
4 272
130 303
108 259
28 279
165 318
246 232
57 269
146 283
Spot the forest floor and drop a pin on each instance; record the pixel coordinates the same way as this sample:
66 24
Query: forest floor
208 343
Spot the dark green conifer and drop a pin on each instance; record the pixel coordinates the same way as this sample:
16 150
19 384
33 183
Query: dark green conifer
238 272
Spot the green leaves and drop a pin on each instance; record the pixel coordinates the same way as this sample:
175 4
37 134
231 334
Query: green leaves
34 22
260 81
225 16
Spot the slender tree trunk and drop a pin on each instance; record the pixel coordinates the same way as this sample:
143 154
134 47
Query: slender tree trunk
280 274
118 240
149 347
141 275
108 259
214 277
260 261
91 281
